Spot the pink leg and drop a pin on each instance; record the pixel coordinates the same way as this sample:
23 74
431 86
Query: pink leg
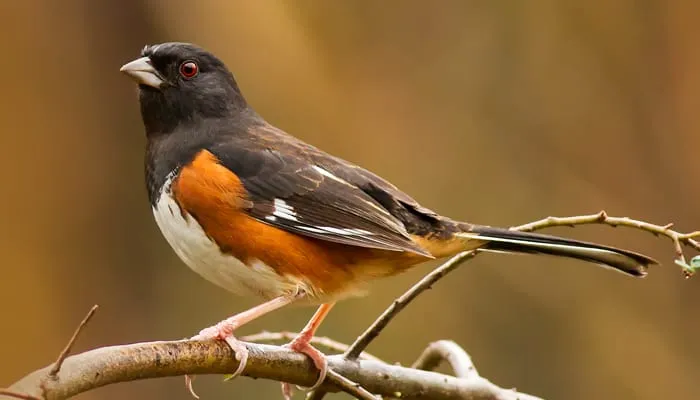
224 331
301 344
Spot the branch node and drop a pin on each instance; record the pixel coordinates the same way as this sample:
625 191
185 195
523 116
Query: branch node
53 373
602 216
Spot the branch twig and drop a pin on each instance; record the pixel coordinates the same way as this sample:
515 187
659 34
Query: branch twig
380 323
446 350
16 395
373 331
679 239
139 361
349 386
61 357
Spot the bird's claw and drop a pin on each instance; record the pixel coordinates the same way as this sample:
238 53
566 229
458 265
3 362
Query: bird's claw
241 353
188 385
300 345
225 333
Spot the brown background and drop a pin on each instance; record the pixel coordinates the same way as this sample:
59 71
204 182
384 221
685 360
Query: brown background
496 112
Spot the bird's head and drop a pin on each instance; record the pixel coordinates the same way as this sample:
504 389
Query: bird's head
181 82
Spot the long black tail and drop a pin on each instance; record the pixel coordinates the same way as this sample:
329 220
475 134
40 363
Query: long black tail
499 239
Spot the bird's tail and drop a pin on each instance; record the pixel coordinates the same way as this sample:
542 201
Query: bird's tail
498 239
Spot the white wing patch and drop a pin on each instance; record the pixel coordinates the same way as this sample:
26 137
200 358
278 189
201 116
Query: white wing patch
347 232
336 231
329 175
311 229
284 210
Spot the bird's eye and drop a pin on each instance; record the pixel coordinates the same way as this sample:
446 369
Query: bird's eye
189 69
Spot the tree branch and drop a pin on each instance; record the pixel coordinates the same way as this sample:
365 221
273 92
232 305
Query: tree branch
328 343
13 394
66 350
431 278
86 371
399 304
350 387
446 350
108 365
679 239
600 218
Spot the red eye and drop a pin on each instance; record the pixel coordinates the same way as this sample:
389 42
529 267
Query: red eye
189 69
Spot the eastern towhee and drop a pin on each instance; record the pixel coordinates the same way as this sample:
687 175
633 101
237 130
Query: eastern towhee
257 211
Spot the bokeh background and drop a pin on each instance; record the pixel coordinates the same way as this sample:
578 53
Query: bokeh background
496 112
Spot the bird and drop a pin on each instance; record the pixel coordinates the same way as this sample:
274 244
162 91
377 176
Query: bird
259 212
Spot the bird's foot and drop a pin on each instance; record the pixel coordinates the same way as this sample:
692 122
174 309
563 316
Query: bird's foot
301 344
222 331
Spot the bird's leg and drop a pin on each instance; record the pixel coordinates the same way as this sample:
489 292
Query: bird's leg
301 344
224 331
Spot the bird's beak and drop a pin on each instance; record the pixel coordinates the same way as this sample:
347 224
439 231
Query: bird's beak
141 71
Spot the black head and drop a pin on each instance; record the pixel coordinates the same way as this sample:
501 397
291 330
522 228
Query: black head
180 83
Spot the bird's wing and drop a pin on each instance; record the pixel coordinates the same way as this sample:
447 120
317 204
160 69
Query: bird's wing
291 192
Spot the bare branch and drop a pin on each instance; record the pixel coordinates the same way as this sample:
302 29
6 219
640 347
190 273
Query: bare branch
108 365
432 356
679 239
446 350
16 395
380 323
147 360
600 218
328 343
71 342
349 386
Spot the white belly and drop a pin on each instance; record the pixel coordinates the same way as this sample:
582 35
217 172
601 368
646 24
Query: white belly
187 238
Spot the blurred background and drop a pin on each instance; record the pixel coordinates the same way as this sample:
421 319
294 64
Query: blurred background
495 112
